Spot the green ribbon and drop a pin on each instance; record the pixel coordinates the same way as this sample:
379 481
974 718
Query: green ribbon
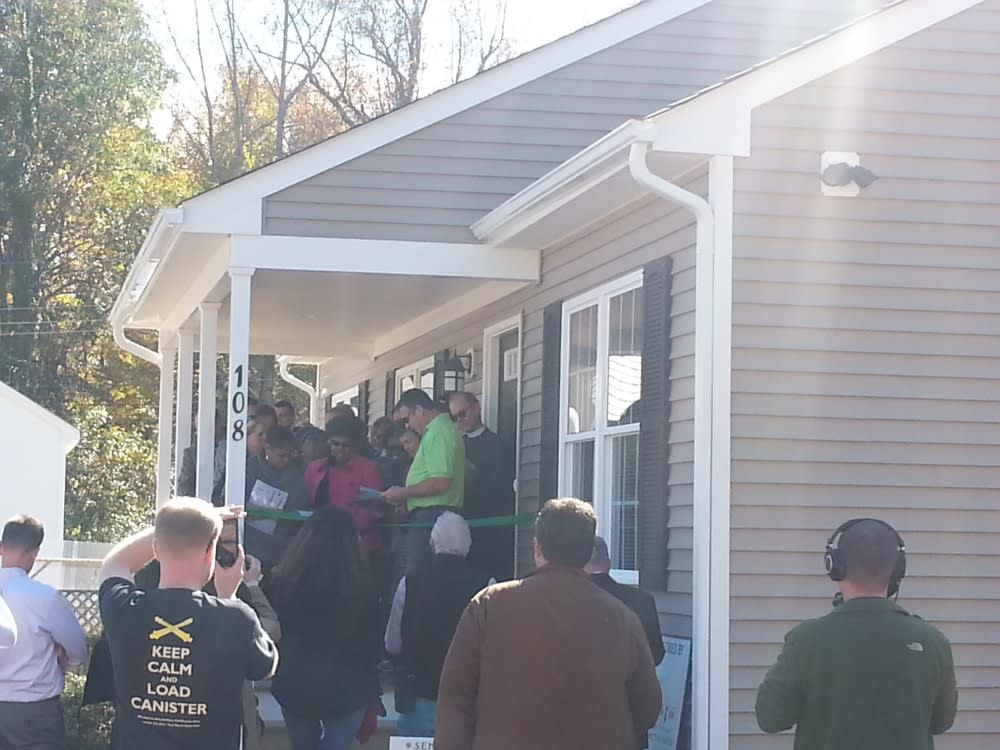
476 523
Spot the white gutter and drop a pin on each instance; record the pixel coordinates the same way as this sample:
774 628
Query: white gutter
164 223
315 417
702 736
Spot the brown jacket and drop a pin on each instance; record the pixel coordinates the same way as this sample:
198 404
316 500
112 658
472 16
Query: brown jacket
550 662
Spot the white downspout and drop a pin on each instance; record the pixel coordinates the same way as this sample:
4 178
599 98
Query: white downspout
130 346
310 391
703 383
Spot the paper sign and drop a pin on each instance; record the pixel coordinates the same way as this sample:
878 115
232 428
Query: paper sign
411 743
672 673
264 495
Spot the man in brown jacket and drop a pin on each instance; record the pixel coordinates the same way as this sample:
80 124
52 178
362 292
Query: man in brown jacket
550 662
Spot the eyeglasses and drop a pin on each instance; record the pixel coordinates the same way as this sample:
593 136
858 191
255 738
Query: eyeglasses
340 444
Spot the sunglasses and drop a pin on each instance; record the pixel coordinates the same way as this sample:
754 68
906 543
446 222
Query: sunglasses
462 414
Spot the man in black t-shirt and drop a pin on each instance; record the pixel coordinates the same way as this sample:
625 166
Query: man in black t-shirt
180 655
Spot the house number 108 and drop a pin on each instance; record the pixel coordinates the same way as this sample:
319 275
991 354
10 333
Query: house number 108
239 405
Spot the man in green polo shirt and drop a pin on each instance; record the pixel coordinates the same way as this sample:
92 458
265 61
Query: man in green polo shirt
436 481
867 676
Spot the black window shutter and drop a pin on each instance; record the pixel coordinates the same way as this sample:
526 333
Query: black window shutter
440 360
390 393
364 408
654 427
549 440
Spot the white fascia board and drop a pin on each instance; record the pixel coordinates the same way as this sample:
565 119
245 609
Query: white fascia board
162 234
572 178
685 123
237 206
395 257
456 308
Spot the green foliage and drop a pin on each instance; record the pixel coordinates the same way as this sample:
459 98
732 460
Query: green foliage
80 179
87 728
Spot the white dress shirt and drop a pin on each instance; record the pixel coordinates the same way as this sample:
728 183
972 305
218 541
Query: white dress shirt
29 670
8 628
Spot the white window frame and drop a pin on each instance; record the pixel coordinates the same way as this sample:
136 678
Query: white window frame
488 400
413 370
599 296
345 397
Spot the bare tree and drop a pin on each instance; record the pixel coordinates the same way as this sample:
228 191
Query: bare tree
310 64
480 39
304 31
379 64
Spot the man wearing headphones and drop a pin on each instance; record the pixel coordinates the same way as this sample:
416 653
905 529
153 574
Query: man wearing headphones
868 675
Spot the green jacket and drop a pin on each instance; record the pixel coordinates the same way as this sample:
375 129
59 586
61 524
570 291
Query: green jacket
867 676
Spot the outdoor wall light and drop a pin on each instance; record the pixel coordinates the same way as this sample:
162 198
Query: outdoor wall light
455 369
842 173
842 176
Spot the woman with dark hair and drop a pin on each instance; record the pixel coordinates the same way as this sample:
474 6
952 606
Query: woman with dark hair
328 606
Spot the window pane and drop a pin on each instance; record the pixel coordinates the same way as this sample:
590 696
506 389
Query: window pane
406 383
624 501
624 358
427 381
582 372
580 471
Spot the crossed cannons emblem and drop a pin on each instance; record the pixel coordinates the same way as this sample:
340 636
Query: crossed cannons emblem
169 629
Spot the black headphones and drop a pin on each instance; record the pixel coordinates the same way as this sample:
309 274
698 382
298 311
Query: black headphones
836 565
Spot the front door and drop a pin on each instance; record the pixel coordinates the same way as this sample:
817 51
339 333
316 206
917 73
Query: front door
508 364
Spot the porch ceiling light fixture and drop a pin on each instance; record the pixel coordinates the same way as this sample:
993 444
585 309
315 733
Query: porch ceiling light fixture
842 176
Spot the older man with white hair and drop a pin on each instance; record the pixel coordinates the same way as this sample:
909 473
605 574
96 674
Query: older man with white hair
425 612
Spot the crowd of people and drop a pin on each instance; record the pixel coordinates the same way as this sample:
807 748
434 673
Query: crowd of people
564 657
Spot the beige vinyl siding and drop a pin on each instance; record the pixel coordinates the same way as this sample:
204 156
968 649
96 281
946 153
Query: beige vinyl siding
637 235
432 184
865 345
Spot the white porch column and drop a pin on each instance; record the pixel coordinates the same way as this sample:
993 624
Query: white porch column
316 410
164 442
209 314
239 354
185 396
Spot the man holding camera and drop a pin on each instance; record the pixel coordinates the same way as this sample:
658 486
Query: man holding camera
179 655
867 676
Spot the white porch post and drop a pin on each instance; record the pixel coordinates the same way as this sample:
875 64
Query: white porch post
185 396
720 180
168 351
316 410
209 314
239 354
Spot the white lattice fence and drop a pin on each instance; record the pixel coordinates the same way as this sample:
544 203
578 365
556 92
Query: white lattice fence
85 605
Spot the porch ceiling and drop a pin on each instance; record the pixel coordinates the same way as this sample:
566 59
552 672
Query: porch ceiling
322 315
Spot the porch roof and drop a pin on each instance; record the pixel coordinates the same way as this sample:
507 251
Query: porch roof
315 296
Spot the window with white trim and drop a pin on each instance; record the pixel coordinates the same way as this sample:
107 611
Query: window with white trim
351 397
600 386
418 375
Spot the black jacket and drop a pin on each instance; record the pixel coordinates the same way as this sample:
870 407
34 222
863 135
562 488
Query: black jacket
644 606
639 602
435 601
329 655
